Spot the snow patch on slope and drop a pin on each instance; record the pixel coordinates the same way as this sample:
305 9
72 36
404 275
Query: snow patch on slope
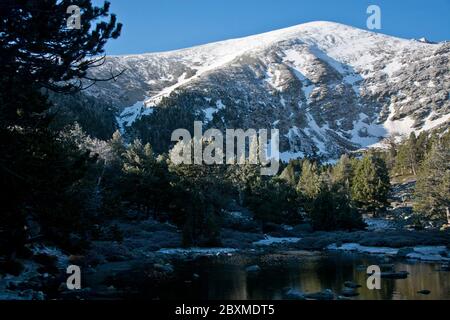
209 112
130 114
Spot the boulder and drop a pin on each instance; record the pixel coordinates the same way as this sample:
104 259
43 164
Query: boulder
253 269
403 252
351 285
77 260
327 294
293 294
349 292
387 267
424 292
165 268
395 275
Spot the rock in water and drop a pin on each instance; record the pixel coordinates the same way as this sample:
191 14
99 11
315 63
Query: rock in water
387 267
254 268
425 292
403 252
293 294
445 267
361 268
323 295
351 284
349 292
166 268
395 275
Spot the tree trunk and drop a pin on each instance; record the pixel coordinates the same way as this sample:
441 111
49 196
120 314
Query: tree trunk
448 215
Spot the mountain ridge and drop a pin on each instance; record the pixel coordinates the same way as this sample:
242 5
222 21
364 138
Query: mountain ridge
328 87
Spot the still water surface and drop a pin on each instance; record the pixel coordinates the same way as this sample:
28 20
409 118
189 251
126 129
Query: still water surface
310 274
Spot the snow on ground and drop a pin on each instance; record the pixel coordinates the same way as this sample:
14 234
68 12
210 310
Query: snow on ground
393 67
197 251
352 52
355 247
430 253
301 63
354 80
273 78
131 114
400 127
30 271
316 133
308 90
62 258
423 253
287 156
372 132
209 112
268 241
430 124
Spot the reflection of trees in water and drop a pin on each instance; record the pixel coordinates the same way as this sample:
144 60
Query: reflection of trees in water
385 293
423 276
226 282
313 274
334 270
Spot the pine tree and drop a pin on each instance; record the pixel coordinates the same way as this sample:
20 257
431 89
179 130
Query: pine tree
145 180
410 154
117 145
310 180
391 154
199 196
342 172
42 172
371 183
432 195
200 193
272 200
288 175
292 172
332 210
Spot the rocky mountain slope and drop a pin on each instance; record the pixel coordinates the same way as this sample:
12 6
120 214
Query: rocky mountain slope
328 87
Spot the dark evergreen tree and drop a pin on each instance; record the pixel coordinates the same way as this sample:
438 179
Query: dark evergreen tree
145 181
41 172
432 194
310 180
332 210
343 172
272 200
371 183
199 196
292 172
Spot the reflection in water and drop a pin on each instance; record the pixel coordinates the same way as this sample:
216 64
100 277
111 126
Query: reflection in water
311 274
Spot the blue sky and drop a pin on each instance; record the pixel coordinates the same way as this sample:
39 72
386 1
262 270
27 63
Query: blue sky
160 25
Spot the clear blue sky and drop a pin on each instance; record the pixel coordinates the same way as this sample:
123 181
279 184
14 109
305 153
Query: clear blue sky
160 25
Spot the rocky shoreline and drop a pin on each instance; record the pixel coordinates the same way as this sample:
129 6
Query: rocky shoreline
150 251
154 249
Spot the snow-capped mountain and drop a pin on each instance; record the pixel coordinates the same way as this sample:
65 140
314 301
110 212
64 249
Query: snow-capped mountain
328 87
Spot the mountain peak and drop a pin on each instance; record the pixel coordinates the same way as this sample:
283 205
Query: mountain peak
329 88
